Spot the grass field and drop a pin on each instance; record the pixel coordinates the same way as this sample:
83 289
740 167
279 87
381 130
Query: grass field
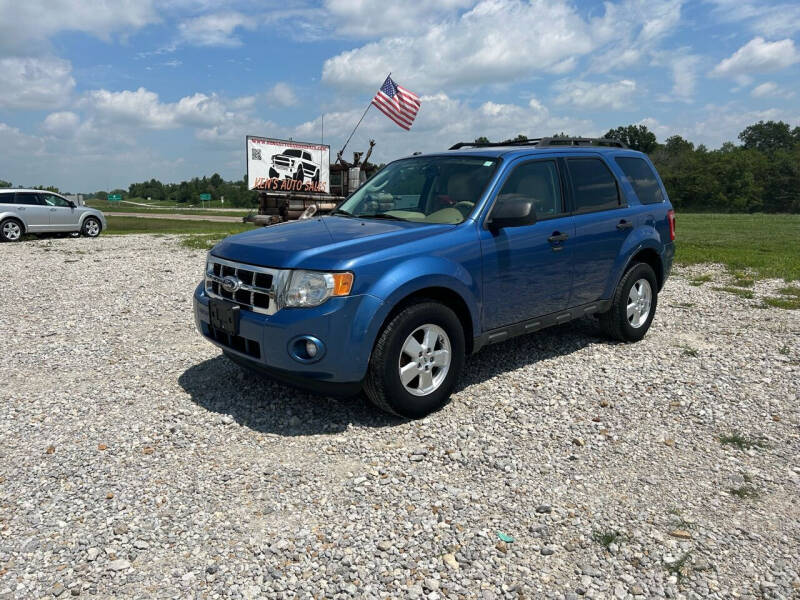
161 209
767 245
127 225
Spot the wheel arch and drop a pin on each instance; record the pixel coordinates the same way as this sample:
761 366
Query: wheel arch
90 216
650 257
443 295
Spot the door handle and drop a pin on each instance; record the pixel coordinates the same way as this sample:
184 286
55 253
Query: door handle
623 224
557 237
52 210
21 208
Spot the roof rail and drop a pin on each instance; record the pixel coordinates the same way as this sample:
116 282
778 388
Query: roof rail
578 141
544 143
530 142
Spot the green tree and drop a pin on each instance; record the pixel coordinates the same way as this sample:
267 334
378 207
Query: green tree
769 136
5 184
677 145
636 137
482 140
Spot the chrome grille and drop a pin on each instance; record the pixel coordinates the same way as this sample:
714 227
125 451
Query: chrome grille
256 287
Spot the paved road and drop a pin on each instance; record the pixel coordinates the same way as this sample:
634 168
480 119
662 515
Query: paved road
219 219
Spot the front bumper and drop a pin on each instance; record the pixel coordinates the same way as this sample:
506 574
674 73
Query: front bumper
344 324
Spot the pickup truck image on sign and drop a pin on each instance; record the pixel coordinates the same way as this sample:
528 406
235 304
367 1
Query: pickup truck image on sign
294 164
436 256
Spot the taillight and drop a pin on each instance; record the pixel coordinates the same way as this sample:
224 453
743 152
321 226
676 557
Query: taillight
671 219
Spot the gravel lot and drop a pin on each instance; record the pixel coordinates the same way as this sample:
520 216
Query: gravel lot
137 462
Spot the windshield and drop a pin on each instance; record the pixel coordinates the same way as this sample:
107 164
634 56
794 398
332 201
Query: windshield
430 189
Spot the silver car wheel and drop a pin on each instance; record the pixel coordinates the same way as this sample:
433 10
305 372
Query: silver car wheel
425 360
640 298
12 231
92 228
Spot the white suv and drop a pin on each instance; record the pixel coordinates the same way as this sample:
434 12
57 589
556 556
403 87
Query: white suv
40 211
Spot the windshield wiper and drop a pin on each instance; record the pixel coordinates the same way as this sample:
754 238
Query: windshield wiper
341 213
381 216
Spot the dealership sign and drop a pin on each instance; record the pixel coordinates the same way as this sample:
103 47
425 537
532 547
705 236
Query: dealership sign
285 166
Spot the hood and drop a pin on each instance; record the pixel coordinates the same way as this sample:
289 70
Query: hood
321 243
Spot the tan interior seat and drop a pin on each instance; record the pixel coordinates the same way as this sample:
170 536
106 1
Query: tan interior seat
461 191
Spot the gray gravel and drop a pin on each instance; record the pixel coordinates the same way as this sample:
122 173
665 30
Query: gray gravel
137 462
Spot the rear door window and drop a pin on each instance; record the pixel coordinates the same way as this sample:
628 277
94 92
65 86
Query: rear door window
593 185
7 198
642 178
28 198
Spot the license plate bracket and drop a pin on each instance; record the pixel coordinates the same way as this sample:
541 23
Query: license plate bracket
224 316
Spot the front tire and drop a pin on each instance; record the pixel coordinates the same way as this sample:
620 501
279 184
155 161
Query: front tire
633 305
11 230
416 361
91 227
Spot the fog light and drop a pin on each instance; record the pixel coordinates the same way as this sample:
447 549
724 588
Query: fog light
306 349
311 349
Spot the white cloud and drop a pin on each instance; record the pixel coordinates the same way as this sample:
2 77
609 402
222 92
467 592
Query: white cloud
216 29
758 56
23 21
633 28
281 94
764 17
770 89
584 94
142 108
683 67
372 18
61 124
498 41
35 83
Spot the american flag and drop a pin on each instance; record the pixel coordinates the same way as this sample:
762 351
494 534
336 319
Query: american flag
397 103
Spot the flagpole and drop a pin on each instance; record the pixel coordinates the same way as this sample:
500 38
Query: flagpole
359 123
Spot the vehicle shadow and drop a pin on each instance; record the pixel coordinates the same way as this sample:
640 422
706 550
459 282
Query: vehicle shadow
220 386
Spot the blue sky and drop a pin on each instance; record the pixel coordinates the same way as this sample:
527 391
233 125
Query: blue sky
98 94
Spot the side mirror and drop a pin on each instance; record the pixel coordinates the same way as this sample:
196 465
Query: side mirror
512 212
71 203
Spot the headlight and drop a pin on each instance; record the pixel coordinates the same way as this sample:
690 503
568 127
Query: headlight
312 288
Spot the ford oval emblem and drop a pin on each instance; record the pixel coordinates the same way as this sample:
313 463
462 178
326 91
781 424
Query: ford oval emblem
231 284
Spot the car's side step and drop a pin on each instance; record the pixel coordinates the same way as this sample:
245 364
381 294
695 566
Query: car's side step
505 333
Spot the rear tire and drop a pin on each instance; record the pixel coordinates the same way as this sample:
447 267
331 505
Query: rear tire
633 305
11 230
416 361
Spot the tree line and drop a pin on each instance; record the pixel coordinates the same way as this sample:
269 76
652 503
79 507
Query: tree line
760 175
234 192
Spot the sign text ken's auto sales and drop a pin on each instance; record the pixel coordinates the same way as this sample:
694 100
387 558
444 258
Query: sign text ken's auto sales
287 166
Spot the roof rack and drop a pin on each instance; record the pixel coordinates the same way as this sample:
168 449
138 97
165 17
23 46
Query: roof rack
544 143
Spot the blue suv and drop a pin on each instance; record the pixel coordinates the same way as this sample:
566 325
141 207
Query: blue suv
435 257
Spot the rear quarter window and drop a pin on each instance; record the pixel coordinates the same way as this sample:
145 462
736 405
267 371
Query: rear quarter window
642 179
593 185
6 198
